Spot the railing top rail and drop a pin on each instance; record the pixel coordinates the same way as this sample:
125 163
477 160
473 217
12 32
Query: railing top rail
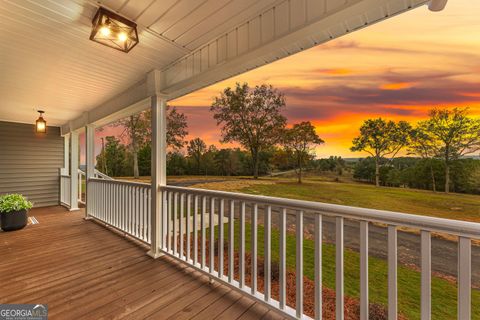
124 182
456 227
64 176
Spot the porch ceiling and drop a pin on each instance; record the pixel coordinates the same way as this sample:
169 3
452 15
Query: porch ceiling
48 62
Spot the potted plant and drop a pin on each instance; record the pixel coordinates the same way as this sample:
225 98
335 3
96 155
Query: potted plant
13 211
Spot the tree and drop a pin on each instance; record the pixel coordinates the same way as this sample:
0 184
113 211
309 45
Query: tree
196 149
139 132
453 134
114 156
301 138
176 127
381 139
251 117
135 127
423 145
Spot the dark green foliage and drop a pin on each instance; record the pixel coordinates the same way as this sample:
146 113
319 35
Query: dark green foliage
114 158
409 172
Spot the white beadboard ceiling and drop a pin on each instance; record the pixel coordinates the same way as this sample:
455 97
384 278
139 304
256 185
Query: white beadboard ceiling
48 62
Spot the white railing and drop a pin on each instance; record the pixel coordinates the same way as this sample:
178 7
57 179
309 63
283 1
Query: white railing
82 178
198 222
182 240
123 205
65 190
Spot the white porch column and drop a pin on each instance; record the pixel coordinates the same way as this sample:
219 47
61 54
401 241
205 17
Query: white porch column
90 161
66 155
159 172
74 171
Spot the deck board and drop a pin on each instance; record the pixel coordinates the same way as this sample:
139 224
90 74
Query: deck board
82 269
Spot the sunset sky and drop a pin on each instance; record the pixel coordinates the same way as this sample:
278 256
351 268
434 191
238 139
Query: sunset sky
397 69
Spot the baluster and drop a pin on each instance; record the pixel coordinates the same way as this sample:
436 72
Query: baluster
169 224
124 207
253 237
268 255
138 229
127 208
202 221
182 205
283 258
189 213
149 216
392 272
212 234
144 192
136 225
242 246
131 209
114 204
164 216
220 238
464 278
137 212
109 200
318 266
364 300
299 265
426 253
339 268
175 217
195 231
231 239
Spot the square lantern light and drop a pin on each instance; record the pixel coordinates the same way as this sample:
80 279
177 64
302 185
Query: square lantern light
114 31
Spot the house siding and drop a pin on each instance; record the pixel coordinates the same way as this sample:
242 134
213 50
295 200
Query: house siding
30 162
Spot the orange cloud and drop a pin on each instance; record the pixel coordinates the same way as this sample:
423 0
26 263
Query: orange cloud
471 94
336 71
396 86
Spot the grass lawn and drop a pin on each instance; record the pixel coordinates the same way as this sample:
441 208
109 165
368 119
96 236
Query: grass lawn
444 293
451 206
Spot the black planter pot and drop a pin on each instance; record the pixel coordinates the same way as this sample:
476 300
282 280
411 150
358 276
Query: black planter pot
13 220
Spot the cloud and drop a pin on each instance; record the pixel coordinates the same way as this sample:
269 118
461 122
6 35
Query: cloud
335 72
397 85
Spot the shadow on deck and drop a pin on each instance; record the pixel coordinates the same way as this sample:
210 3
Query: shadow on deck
84 271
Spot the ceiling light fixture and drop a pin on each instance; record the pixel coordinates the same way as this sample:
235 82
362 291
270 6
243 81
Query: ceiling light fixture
41 124
113 30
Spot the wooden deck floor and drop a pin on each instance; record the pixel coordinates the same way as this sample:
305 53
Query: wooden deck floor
84 271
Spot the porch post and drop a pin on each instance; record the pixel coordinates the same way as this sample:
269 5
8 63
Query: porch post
90 162
66 155
74 171
158 174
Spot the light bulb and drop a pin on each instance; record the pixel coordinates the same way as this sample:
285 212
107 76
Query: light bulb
105 31
122 36
40 126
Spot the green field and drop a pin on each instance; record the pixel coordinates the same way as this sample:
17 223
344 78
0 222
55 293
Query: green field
451 206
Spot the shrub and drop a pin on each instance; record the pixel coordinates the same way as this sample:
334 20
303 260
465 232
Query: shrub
13 202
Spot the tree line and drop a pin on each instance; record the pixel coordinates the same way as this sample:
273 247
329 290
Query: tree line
253 119
250 117
444 138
